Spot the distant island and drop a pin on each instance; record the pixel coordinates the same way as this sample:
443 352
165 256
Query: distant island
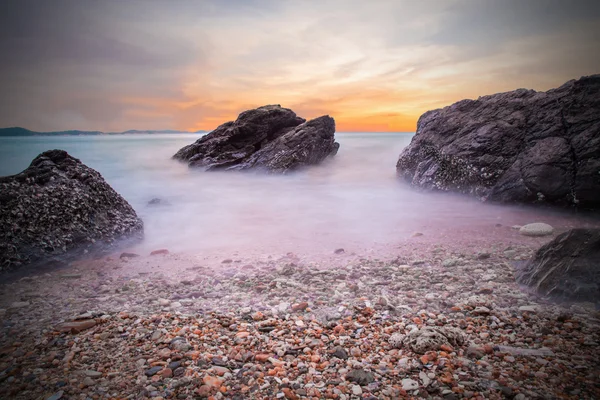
17 131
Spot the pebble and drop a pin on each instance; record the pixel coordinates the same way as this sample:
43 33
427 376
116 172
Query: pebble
409 384
356 390
56 396
536 229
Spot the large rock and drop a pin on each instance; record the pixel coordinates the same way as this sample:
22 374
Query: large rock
521 146
269 138
57 206
567 268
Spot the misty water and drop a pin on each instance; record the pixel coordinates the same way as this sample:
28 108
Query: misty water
353 201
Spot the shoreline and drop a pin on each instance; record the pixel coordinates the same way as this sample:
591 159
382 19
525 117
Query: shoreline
298 310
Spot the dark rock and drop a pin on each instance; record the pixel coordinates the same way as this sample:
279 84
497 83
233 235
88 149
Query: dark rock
520 146
269 138
158 202
340 353
567 268
128 255
360 376
339 251
152 371
58 207
174 365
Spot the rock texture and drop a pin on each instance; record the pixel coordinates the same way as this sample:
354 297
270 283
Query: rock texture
521 146
536 229
567 268
269 138
59 205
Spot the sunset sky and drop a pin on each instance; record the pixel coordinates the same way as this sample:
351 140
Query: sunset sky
189 65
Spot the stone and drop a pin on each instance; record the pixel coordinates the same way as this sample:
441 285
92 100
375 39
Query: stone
567 268
158 202
300 306
159 252
58 209
340 353
180 344
521 146
204 391
92 374
56 396
396 340
356 390
339 251
360 377
432 338
269 138
212 381
536 229
88 381
409 384
128 255
152 371
76 326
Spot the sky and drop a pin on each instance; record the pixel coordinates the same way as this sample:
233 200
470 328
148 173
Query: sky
191 64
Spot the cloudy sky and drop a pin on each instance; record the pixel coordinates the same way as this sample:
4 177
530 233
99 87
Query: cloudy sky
372 65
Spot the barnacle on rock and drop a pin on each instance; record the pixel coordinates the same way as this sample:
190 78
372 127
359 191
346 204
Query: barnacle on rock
52 211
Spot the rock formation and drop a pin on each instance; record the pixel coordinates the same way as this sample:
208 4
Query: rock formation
521 146
57 206
269 138
567 268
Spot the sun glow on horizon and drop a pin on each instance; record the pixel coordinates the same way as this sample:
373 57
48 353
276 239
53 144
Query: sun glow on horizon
376 66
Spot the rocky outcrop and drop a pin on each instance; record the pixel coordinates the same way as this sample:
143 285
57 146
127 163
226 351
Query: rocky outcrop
567 268
521 146
59 206
269 138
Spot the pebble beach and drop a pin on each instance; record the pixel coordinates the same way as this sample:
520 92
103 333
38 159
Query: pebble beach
426 319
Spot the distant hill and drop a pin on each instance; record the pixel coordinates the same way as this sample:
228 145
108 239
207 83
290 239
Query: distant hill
18 131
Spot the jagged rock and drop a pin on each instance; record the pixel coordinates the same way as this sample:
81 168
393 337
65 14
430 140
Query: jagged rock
567 268
520 146
59 206
269 138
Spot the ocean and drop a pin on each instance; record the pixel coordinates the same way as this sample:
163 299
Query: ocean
353 201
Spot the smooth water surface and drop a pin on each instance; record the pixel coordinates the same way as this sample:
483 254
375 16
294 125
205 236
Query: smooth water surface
352 201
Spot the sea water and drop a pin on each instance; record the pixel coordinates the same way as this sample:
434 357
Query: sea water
353 200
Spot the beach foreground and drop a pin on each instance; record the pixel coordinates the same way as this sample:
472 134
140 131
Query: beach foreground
178 326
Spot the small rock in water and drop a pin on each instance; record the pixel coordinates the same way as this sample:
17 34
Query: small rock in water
158 202
536 229
416 234
159 251
339 251
128 255
71 276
